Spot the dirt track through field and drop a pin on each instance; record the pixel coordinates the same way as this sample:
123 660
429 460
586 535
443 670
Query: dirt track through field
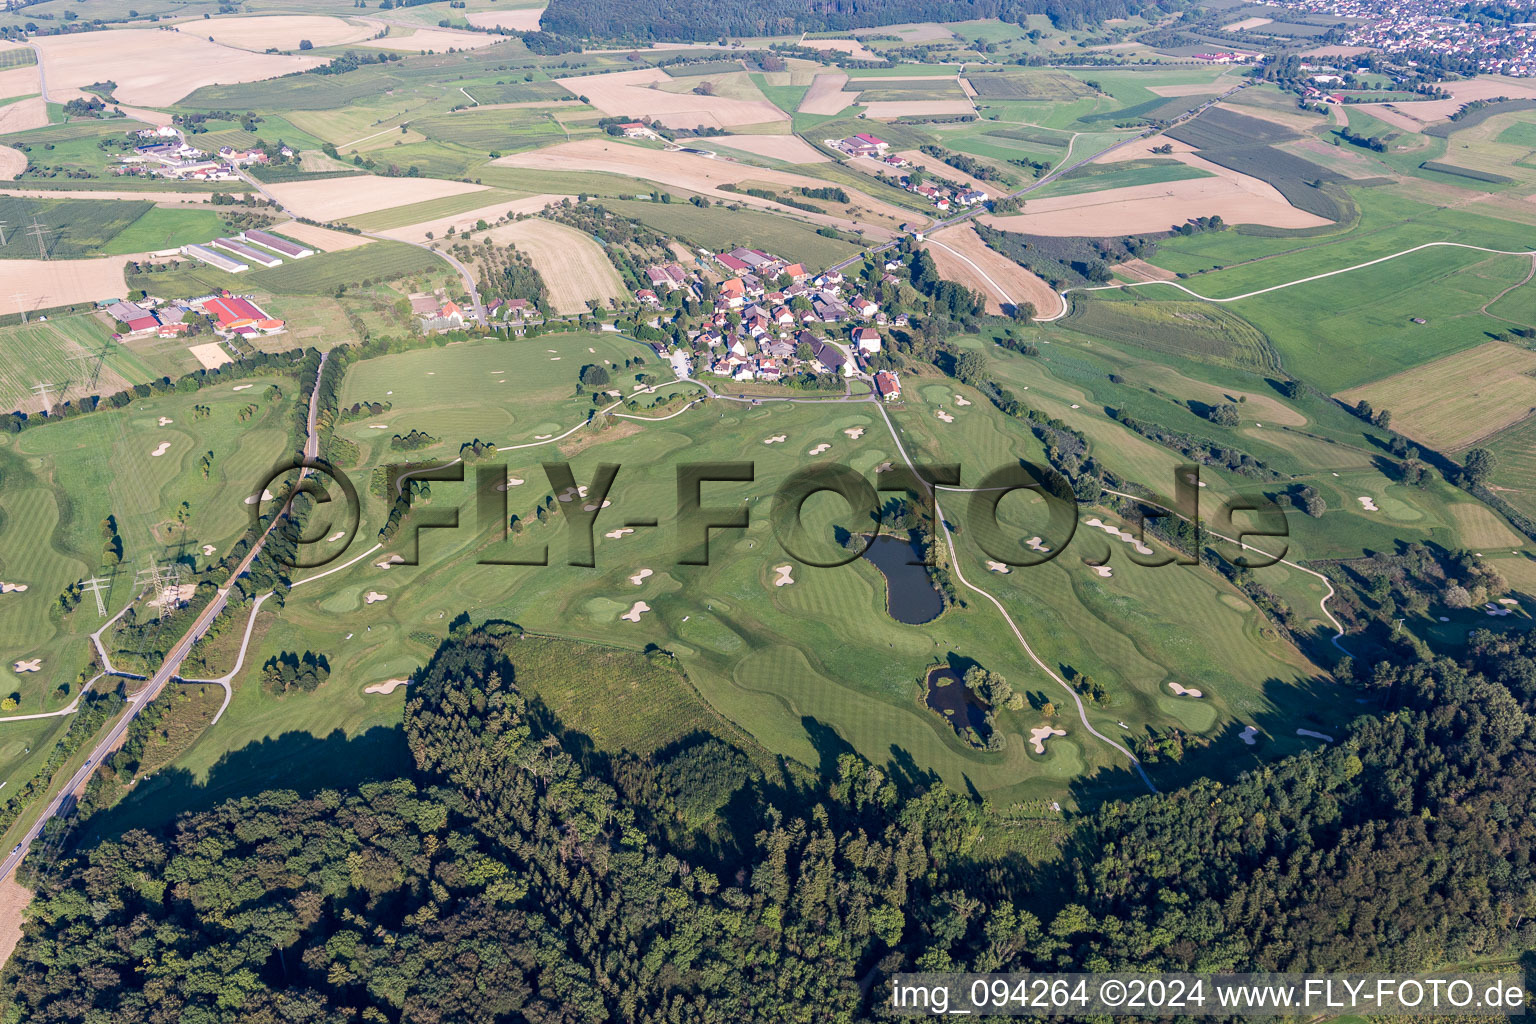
962 256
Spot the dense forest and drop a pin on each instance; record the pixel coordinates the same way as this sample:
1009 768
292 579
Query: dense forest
714 19
515 877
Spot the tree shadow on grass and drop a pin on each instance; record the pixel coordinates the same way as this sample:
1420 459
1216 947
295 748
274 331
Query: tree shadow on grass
297 761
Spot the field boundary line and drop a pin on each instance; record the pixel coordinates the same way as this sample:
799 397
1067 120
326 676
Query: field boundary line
1288 284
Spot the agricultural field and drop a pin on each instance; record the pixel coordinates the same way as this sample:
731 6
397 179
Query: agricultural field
1454 402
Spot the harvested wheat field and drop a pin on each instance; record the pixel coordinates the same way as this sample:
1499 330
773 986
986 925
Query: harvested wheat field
1389 113
1137 208
1190 89
18 82
165 198
156 68
462 222
323 239
281 31
1453 401
697 174
826 95
1484 87
933 165
963 257
1141 270
789 148
572 264
13 902
340 198
631 93
48 283
1244 25
852 47
888 110
20 115
526 20
438 40
12 162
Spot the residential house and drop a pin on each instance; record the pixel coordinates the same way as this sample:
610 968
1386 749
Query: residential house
887 386
867 339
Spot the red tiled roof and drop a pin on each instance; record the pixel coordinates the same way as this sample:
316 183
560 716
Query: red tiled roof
229 310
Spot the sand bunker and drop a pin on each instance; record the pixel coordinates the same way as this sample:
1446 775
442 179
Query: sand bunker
378 426
1034 544
616 534
854 432
784 578
638 609
13 588
594 508
884 467
387 686
160 449
266 495
1104 570
998 567
373 596
640 577
1249 735
777 439
1041 733
333 538
242 387
209 549
1310 734
944 416
1124 535
1184 691
166 421
819 448
572 493
32 665
1494 610
1369 504
962 401
512 481
391 560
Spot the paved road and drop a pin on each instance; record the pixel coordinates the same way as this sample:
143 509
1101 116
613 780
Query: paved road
63 800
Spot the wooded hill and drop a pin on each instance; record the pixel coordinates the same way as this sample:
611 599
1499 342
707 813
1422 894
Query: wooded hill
516 877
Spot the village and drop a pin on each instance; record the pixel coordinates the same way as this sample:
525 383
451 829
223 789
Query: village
763 319
941 194
165 153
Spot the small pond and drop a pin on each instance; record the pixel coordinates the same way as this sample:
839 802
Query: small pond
910 595
958 703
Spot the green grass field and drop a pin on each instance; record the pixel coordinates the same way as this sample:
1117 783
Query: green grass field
69 227
63 354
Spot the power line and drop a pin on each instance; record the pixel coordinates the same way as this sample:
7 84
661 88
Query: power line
37 232
93 586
